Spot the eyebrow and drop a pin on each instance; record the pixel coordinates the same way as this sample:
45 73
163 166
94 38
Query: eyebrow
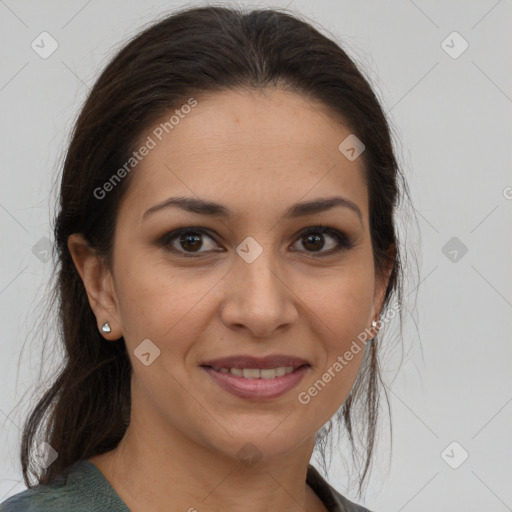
203 207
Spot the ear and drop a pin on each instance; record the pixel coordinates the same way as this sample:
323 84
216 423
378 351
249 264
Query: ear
381 284
98 283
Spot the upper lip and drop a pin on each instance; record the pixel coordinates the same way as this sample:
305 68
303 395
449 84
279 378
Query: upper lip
246 361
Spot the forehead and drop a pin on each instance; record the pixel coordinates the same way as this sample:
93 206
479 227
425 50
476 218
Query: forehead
252 150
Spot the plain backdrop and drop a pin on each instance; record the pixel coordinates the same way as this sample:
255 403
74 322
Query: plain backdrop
442 72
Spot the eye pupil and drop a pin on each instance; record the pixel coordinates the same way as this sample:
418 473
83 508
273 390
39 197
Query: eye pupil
313 241
316 238
196 244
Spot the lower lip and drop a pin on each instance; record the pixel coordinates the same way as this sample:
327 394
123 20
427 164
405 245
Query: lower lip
257 388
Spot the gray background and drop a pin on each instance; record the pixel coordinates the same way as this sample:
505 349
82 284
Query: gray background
452 120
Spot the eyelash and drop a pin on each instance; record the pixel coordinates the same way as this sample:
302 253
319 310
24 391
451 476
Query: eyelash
344 243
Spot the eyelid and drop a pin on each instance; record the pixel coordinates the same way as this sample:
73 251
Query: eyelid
344 241
165 240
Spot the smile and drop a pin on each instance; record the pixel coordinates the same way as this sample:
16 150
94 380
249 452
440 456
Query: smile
256 373
256 383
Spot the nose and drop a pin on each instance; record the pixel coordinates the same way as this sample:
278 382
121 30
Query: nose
258 298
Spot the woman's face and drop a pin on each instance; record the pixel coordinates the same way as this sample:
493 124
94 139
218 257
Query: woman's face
246 284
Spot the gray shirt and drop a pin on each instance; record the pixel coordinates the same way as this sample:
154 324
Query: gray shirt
83 488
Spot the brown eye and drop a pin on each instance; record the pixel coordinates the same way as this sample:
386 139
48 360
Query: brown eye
314 240
187 241
191 242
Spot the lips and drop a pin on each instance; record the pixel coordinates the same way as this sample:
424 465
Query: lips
257 378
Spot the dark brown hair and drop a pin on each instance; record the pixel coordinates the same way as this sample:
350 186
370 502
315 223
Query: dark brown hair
86 409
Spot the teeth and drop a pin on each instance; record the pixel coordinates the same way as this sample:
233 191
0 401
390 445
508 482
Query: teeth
256 373
267 373
251 373
281 371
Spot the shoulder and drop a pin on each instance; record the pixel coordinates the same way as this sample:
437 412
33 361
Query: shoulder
55 496
31 500
346 505
332 499
81 488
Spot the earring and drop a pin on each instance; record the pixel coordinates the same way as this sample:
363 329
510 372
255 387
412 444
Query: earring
106 328
374 325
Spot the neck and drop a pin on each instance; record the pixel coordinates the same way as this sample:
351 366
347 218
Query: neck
170 472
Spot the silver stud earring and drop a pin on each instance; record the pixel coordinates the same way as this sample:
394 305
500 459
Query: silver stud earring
374 325
106 328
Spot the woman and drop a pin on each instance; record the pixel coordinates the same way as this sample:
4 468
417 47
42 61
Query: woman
227 253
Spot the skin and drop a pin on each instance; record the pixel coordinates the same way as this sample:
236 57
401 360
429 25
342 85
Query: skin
257 153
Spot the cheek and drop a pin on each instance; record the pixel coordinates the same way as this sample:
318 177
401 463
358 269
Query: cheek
341 301
338 316
174 307
170 304
160 303
339 307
